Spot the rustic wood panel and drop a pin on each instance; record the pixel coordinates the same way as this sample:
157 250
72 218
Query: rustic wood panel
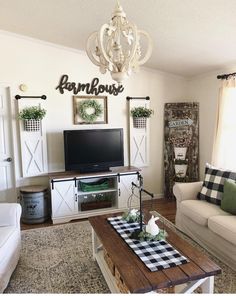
181 144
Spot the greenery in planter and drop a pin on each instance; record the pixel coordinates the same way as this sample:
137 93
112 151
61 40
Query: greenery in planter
145 236
141 112
33 112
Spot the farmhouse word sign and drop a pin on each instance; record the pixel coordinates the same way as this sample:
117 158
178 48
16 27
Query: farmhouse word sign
93 88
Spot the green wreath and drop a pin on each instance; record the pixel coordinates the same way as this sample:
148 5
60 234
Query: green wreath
84 105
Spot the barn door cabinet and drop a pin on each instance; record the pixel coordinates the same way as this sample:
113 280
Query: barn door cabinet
77 196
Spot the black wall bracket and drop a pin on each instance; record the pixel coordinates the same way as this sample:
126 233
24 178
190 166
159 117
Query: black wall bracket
137 98
18 97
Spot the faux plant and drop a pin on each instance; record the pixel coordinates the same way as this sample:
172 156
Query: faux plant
131 216
145 236
90 104
33 112
141 112
183 140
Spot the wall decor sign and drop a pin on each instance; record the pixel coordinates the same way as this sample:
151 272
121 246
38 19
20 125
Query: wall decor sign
181 145
90 109
93 88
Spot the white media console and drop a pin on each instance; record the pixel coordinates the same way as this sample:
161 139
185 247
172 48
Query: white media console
70 201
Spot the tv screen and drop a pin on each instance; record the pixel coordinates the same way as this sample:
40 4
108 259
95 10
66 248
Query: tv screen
93 150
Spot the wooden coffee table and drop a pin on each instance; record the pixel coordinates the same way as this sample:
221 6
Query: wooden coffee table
131 275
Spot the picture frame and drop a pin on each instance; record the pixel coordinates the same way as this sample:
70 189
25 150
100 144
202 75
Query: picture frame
90 109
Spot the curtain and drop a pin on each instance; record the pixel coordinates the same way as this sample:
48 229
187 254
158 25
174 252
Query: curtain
224 149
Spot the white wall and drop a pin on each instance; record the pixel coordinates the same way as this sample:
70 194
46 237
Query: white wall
39 65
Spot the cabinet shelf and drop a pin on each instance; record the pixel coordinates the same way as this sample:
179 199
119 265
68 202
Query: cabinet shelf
67 196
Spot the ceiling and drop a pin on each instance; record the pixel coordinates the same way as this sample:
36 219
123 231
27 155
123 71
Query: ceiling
190 37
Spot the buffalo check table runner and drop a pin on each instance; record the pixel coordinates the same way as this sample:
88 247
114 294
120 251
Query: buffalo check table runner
156 255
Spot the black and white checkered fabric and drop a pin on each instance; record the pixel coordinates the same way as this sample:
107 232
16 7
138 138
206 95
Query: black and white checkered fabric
156 255
213 185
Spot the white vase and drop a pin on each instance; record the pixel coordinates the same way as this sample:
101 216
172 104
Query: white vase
180 152
181 170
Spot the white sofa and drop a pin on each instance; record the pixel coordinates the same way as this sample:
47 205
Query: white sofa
10 241
206 223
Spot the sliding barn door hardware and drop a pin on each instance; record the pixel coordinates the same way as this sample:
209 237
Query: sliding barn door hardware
137 98
77 178
18 97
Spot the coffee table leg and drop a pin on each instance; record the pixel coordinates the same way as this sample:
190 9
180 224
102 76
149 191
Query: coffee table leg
208 285
96 244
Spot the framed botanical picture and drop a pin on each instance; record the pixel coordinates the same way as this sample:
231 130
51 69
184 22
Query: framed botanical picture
90 109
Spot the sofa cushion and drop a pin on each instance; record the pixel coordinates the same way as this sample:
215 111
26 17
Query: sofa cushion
213 184
200 210
224 226
5 233
8 214
228 202
7 238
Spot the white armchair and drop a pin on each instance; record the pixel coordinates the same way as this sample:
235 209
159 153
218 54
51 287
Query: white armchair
10 241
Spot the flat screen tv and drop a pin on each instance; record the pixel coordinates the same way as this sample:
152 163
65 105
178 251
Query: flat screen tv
93 150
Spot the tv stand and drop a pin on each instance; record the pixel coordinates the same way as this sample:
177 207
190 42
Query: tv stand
94 170
81 195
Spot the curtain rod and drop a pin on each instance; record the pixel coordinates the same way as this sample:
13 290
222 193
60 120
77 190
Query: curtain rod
226 76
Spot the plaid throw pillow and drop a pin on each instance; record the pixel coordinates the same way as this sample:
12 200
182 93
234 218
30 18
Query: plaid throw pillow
213 185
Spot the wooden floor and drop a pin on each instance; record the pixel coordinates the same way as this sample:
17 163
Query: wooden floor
165 207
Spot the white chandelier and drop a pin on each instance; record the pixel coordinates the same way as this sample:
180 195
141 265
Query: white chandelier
116 47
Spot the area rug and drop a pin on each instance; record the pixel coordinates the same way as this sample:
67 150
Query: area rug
58 259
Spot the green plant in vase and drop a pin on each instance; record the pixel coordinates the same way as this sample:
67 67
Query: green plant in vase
32 117
140 115
33 112
141 112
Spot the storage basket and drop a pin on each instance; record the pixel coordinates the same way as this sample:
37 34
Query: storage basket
94 205
109 262
140 122
120 282
102 184
32 125
35 204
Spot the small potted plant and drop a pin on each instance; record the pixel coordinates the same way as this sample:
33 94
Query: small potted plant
32 117
140 115
180 144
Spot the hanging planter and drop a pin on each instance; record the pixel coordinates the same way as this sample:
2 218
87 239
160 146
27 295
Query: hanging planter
181 168
140 115
180 152
32 125
140 122
32 117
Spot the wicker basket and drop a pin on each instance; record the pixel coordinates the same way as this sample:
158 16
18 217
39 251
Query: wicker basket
140 122
109 262
120 283
32 125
